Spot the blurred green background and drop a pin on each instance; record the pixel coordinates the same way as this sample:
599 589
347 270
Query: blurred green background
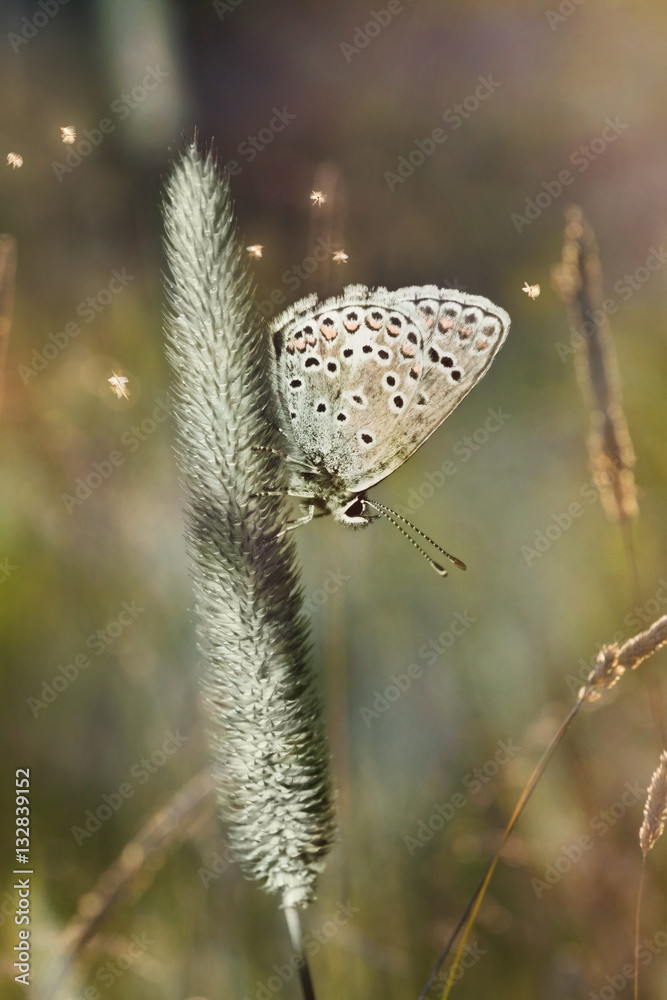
554 76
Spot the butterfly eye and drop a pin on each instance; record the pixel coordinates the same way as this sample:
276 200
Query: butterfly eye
433 355
312 362
296 383
366 438
412 337
348 352
456 375
394 326
390 381
374 320
367 349
321 407
342 417
332 367
383 355
356 508
396 403
447 361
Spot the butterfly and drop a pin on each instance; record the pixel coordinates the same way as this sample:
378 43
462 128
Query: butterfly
363 379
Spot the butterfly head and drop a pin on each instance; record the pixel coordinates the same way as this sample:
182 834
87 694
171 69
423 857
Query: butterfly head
354 513
329 494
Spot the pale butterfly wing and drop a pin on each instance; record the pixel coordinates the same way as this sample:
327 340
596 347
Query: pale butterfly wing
346 369
462 335
365 378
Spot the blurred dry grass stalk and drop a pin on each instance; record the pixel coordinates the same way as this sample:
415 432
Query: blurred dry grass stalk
7 281
133 871
655 810
578 278
612 662
655 814
327 222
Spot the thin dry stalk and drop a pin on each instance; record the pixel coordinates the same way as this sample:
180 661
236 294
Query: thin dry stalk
134 869
7 281
637 915
612 663
579 280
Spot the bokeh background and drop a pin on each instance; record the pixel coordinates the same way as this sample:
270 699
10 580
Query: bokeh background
554 76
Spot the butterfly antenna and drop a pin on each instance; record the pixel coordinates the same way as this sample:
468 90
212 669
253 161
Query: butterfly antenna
440 570
387 511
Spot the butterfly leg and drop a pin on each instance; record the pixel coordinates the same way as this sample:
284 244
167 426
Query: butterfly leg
289 458
291 525
282 493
